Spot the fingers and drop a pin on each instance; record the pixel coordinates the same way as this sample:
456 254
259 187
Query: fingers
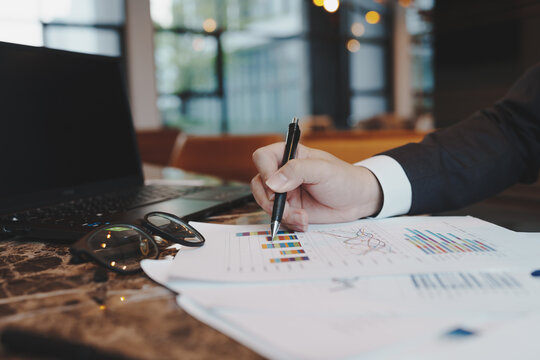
268 159
296 219
259 193
297 172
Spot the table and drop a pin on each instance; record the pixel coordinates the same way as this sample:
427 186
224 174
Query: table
129 315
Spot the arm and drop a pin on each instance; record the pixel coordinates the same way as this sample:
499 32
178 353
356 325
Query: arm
478 157
450 168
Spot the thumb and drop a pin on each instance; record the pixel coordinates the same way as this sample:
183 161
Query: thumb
297 172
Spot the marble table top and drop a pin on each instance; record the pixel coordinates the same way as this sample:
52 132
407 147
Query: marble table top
129 315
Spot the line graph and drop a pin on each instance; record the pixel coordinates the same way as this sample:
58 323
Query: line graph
360 242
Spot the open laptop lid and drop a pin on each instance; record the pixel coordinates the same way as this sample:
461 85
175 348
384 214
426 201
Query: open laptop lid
65 127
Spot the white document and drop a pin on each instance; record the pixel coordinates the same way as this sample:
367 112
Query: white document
303 312
321 336
371 318
473 293
515 338
375 317
365 247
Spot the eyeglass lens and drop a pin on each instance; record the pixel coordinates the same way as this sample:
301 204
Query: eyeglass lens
175 229
122 247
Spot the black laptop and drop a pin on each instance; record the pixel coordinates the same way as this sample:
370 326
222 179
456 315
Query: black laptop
68 150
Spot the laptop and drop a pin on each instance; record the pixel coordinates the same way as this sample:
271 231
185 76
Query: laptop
68 151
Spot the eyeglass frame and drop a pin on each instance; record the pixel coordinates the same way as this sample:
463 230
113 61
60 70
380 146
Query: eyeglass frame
80 247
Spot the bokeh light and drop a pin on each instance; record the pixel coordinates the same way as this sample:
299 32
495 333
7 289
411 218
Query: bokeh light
209 25
373 17
353 45
331 5
358 29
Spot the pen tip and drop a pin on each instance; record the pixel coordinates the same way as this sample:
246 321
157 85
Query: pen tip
274 227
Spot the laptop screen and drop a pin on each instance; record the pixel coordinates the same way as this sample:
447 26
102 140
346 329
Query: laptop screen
65 125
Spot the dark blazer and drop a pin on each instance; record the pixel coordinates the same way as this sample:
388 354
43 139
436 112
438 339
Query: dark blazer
479 156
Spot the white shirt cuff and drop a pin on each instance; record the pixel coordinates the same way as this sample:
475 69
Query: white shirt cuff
396 187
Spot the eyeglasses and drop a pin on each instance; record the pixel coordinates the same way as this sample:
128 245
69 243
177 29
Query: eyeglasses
121 247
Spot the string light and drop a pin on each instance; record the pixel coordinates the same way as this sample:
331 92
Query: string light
318 2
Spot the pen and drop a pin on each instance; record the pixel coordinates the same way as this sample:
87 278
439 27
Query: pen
293 135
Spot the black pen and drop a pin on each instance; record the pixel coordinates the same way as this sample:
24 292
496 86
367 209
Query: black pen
293 135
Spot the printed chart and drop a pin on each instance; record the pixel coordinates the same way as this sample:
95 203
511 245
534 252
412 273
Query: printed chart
281 241
465 281
437 243
364 247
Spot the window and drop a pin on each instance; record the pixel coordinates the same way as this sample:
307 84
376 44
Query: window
368 42
89 26
235 66
420 28
248 66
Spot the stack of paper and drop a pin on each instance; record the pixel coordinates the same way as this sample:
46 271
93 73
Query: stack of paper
406 287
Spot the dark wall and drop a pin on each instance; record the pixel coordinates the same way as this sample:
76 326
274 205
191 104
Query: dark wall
481 48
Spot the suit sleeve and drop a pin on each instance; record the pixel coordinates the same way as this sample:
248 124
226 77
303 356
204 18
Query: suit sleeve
479 156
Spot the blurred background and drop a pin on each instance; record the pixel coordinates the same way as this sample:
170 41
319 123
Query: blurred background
372 73
249 66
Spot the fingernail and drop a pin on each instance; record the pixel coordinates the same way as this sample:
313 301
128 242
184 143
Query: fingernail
276 181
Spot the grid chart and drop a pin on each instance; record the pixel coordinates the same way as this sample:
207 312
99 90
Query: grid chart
436 243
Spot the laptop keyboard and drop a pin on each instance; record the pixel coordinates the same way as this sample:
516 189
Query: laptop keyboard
88 211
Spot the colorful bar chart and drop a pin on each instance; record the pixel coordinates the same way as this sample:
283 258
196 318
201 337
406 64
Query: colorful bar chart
291 252
433 243
255 233
282 237
291 259
281 245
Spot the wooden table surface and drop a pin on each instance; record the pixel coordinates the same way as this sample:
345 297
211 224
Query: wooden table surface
129 315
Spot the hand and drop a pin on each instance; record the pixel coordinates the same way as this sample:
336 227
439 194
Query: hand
320 187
